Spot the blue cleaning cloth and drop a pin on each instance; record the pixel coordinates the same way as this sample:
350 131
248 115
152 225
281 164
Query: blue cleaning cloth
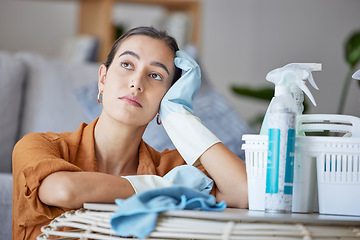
191 177
137 215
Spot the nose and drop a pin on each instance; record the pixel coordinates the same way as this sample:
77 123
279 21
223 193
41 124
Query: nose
137 83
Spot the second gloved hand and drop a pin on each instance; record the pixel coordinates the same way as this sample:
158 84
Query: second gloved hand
189 135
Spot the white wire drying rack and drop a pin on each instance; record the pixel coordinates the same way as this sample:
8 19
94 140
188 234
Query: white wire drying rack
86 224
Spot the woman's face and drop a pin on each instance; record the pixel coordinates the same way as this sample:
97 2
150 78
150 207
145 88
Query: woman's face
139 76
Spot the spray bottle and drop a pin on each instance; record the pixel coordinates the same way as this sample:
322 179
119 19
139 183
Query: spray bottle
302 72
281 122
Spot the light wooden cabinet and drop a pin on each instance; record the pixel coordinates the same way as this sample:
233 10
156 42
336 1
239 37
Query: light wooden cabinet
95 18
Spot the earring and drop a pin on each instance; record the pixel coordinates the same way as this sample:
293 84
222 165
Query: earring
158 119
98 97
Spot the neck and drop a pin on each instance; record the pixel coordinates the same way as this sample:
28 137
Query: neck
117 146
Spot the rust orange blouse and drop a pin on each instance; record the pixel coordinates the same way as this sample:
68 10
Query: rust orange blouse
37 155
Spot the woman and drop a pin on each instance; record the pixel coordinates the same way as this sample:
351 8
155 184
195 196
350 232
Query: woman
107 159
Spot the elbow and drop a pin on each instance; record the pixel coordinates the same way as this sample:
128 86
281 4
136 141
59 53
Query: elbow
234 199
66 197
243 203
59 191
244 199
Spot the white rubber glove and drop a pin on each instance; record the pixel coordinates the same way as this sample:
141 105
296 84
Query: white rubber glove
189 135
142 183
187 176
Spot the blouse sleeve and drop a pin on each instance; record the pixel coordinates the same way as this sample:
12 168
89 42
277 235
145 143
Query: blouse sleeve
36 156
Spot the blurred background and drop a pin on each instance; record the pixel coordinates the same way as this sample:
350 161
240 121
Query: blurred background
238 41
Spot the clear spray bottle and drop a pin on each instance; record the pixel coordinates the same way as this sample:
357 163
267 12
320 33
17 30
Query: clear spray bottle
280 127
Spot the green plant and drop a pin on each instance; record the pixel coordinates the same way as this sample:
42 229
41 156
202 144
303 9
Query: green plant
352 57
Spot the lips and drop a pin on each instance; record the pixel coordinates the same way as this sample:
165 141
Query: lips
132 100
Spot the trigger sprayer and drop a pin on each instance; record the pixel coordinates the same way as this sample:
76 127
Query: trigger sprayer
293 77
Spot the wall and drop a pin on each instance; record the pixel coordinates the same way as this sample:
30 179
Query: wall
242 40
39 26
256 36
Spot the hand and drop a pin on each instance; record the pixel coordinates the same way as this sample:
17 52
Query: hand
180 96
186 176
189 136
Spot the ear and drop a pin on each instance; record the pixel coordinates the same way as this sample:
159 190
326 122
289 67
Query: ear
102 77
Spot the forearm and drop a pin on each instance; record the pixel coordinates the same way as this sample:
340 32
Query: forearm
195 142
72 189
229 174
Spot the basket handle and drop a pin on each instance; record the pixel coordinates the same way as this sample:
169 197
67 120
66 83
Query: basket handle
331 122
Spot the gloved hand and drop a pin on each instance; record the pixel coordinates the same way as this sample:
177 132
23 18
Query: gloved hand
186 176
186 131
142 183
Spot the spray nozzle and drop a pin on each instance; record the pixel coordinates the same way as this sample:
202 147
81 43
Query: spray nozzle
356 75
308 68
293 75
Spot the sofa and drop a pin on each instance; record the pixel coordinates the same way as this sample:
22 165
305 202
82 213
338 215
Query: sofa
40 94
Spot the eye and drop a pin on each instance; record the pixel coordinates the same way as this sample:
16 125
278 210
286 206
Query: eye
126 65
156 76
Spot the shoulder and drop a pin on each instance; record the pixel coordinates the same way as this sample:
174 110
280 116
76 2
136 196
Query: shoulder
31 140
36 147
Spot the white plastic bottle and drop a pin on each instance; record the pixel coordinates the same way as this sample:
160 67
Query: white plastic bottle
279 124
280 164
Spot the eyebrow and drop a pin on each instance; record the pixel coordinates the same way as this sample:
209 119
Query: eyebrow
154 63
159 64
130 53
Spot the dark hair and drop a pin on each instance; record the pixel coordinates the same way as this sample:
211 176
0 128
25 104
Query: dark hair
147 31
